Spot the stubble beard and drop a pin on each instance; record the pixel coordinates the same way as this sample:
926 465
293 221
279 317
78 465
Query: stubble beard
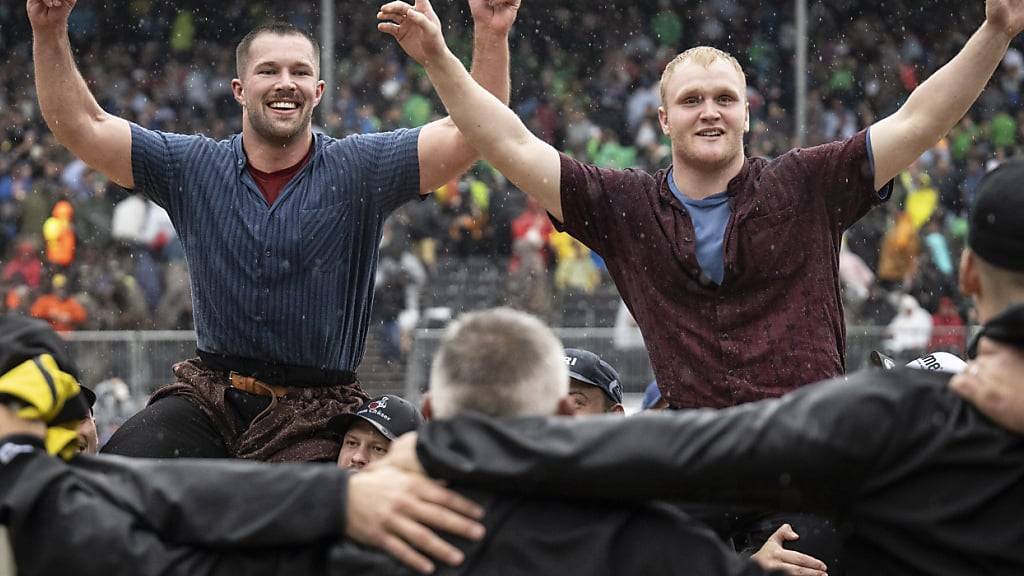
718 162
277 132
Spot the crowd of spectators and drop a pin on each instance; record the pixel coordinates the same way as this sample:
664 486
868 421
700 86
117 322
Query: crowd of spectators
85 254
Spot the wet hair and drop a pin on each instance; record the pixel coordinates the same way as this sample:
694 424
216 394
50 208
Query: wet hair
501 363
276 28
704 56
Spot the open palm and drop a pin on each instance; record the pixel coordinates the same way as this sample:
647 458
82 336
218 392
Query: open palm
416 28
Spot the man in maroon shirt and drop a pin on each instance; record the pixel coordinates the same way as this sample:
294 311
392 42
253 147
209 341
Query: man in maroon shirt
729 264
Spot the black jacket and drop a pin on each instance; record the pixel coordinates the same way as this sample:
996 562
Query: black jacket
529 536
927 483
109 515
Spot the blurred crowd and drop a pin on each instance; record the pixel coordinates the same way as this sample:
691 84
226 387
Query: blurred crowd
86 254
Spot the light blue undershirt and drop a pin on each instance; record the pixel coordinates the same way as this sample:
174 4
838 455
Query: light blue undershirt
710 217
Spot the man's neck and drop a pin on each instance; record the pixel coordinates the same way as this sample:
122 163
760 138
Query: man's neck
698 184
267 156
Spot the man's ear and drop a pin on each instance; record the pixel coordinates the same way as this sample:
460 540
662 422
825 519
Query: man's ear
565 407
238 91
617 409
663 120
425 408
970 282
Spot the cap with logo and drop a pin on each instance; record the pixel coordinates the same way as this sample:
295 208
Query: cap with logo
939 361
589 368
390 415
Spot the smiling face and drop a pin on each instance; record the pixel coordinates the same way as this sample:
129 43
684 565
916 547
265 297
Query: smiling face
704 114
278 89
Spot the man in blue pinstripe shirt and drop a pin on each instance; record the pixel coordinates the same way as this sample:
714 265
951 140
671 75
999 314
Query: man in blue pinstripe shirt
280 228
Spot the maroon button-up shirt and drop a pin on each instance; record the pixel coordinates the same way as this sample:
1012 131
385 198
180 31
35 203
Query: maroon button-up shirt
776 322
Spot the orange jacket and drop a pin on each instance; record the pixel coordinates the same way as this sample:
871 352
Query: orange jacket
63 315
60 235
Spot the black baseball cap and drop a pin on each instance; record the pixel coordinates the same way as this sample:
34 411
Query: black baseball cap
22 339
88 395
589 368
996 231
390 415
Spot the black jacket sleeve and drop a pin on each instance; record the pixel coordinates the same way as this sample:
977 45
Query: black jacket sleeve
811 449
204 517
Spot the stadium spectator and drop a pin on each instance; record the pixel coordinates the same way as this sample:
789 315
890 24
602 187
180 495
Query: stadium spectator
282 303
194 517
529 287
947 334
533 220
911 329
59 234
594 386
923 481
715 235
575 272
897 262
25 268
58 307
367 434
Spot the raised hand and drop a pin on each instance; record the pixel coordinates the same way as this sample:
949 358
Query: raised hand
495 15
48 14
416 27
1006 15
398 513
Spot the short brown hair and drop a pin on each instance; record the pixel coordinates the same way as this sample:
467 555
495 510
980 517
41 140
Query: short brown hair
279 29
704 56
499 362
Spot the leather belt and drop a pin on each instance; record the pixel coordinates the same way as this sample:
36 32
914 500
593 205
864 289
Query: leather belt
254 386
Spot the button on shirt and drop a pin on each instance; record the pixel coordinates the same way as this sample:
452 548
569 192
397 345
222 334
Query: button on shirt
709 216
292 282
776 320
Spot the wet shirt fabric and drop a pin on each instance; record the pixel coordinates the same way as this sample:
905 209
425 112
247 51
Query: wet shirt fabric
776 321
290 282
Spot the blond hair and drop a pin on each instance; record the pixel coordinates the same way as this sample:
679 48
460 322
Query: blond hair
704 56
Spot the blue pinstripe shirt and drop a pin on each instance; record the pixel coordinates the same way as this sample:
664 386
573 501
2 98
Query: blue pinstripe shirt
289 283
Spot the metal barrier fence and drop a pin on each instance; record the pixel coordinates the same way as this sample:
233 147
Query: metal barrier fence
633 365
143 359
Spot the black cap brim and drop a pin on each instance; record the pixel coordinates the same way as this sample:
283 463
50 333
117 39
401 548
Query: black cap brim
341 423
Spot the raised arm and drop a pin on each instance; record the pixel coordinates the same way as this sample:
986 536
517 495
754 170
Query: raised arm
486 122
943 99
101 140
